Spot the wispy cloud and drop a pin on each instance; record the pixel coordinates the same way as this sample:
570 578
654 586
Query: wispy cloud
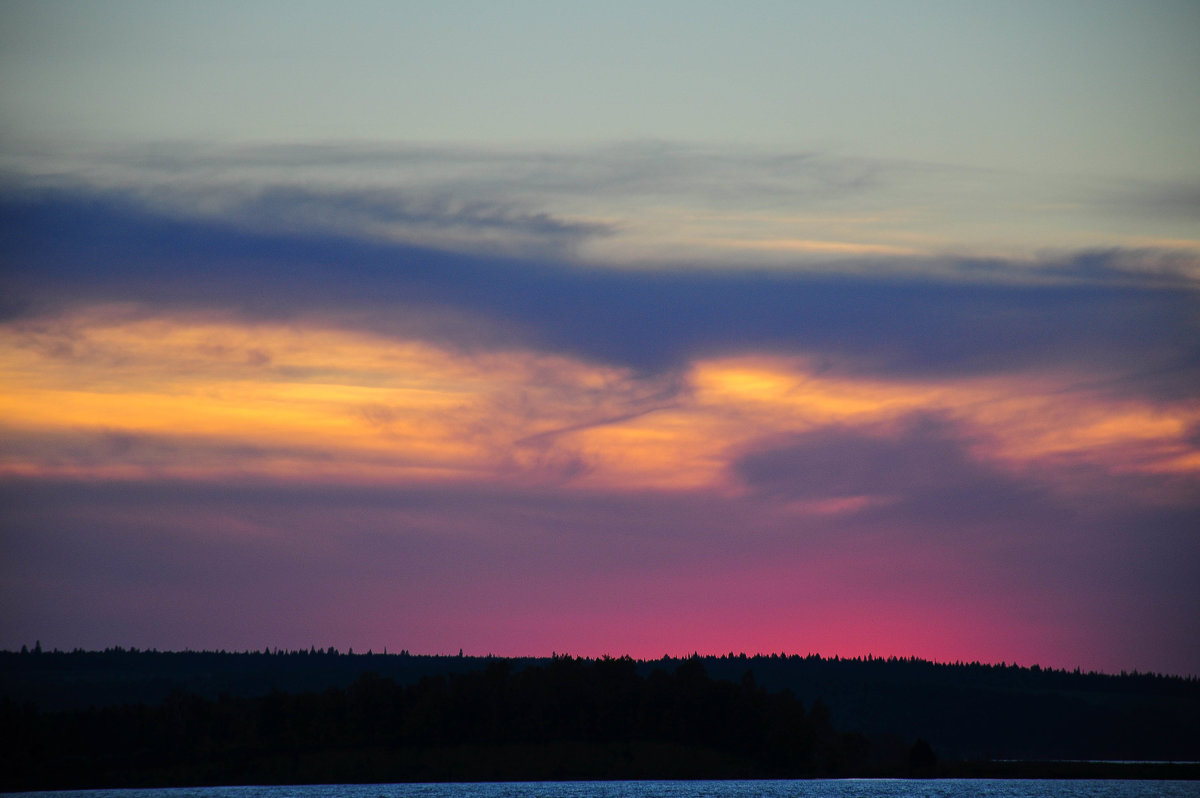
201 369
1112 315
1173 199
648 200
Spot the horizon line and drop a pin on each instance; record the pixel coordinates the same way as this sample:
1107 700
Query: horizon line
556 655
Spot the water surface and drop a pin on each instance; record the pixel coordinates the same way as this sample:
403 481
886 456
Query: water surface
819 788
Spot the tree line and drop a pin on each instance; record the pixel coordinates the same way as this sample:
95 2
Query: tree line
568 718
966 711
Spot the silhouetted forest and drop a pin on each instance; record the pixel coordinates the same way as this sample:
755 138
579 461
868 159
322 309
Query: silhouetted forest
135 718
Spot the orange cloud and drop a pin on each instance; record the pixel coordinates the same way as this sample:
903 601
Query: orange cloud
301 399
305 401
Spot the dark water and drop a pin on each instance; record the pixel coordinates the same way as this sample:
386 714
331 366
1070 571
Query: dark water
821 788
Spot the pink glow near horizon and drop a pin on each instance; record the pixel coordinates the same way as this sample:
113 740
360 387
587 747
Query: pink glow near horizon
182 480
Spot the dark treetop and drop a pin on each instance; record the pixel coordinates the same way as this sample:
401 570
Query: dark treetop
130 718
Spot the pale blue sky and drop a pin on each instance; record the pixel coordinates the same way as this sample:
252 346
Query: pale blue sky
1103 87
1078 110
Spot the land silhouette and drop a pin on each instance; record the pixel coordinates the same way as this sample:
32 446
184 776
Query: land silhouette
125 717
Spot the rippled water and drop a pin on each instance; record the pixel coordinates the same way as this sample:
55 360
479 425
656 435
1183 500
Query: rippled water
821 788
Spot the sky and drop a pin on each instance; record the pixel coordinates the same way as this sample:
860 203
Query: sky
610 328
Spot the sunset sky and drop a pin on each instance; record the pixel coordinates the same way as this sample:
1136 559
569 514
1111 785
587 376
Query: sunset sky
604 328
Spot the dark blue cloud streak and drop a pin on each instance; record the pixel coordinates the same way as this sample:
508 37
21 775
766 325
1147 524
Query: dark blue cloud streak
1089 312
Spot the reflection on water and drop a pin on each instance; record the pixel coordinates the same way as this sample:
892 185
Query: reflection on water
819 788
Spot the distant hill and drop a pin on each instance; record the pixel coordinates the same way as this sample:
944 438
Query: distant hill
879 708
